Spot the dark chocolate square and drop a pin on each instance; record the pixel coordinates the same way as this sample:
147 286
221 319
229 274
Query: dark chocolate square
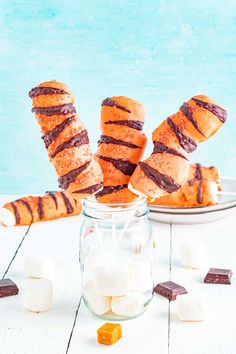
218 276
170 290
8 288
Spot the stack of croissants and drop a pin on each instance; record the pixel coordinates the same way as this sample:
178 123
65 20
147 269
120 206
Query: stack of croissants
115 174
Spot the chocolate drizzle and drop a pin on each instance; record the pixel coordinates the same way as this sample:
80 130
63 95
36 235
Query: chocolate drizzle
109 140
89 190
134 124
111 103
186 110
198 176
40 208
55 110
126 167
200 192
54 198
111 189
66 180
76 141
28 207
68 205
42 90
213 108
161 180
198 172
53 134
187 143
16 212
161 148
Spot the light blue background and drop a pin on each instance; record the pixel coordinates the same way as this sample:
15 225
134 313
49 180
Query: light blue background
158 52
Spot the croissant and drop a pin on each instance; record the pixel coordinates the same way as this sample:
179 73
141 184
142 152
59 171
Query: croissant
121 146
200 189
31 209
166 170
66 139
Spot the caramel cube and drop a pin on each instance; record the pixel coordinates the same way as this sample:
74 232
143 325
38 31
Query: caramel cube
109 333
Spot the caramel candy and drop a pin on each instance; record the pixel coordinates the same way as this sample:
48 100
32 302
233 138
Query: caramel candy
109 333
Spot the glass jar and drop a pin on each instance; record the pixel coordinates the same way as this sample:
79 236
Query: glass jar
116 259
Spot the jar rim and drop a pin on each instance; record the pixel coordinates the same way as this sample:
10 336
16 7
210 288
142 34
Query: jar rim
91 202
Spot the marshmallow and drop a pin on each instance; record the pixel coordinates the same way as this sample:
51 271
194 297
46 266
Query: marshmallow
38 294
112 280
214 191
192 307
7 218
98 304
129 305
95 260
193 254
140 277
39 267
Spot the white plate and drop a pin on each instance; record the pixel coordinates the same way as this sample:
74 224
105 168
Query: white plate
198 215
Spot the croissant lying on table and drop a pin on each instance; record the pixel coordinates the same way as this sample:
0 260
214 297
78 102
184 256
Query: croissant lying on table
199 190
31 209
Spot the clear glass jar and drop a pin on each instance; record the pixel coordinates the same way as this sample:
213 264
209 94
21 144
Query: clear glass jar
116 259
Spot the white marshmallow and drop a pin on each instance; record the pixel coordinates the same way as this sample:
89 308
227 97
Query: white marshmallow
214 190
191 307
95 260
193 254
112 280
98 304
39 267
128 305
7 218
140 277
38 295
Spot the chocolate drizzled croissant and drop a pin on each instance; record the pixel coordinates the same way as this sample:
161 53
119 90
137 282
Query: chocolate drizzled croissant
120 147
166 170
66 139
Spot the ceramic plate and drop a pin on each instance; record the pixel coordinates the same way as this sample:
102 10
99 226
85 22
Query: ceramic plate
198 215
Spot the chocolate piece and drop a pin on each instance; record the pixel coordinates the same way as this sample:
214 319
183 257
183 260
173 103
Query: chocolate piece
16 213
170 290
90 190
69 207
186 110
8 288
134 124
111 189
76 141
161 148
40 208
54 110
109 140
28 207
213 108
126 167
111 103
218 276
42 90
66 180
161 180
52 135
187 143
54 198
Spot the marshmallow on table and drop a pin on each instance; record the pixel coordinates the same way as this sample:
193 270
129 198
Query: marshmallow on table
140 276
7 218
38 295
112 280
128 305
98 304
39 267
192 307
193 254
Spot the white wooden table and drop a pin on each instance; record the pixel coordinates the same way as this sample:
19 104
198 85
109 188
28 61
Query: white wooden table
70 328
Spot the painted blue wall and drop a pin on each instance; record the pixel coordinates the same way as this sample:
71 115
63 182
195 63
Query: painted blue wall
158 52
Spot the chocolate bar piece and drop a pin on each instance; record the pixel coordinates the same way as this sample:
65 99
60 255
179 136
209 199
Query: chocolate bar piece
218 276
8 288
170 290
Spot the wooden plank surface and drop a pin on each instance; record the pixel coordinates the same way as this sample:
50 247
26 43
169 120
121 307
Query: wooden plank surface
143 334
216 335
